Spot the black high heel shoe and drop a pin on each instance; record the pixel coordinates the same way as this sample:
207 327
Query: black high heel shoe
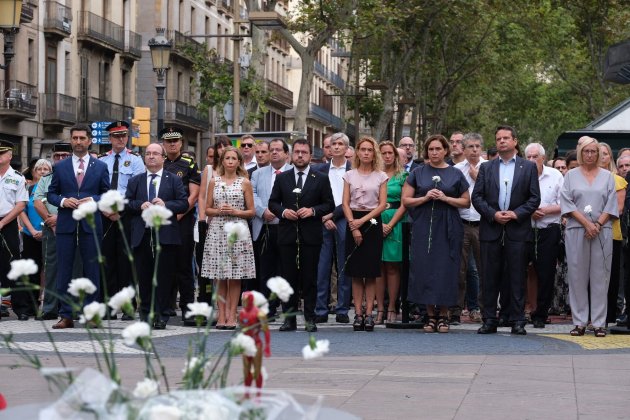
359 323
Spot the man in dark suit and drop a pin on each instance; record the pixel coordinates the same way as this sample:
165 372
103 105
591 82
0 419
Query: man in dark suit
334 236
77 180
161 188
506 194
299 198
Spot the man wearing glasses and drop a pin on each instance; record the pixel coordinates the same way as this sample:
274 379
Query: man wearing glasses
247 150
457 148
122 164
409 146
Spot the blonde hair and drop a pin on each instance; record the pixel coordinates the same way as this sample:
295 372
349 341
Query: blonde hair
377 162
240 169
582 142
398 168
611 164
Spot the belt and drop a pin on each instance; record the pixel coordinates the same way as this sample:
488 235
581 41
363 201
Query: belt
470 222
392 205
550 225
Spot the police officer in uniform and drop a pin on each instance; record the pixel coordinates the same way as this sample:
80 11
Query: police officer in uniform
13 199
187 170
122 164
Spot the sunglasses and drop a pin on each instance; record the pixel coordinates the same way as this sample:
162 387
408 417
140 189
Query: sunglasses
247 145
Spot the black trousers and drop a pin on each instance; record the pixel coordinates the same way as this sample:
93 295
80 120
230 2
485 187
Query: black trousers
544 255
183 262
9 251
26 301
145 262
613 286
493 257
268 252
302 279
117 266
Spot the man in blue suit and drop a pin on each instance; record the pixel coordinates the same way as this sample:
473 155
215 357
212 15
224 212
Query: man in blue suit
161 188
75 181
506 194
265 223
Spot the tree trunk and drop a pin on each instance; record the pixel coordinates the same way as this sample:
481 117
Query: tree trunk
306 84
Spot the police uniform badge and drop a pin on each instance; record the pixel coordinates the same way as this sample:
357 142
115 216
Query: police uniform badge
127 163
180 174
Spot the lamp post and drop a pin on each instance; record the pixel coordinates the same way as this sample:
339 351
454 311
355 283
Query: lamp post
10 13
160 56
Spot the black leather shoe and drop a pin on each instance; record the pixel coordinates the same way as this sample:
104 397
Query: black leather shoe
170 312
454 320
538 323
321 319
159 325
289 325
487 329
310 327
342 318
4 312
503 322
126 317
520 330
47 316
22 317
189 322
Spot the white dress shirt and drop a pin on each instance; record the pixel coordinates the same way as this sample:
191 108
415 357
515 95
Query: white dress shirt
158 180
335 175
469 213
550 181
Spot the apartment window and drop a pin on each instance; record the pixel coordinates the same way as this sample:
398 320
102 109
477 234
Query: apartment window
67 74
84 88
227 45
182 13
51 69
104 88
32 67
179 86
219 40
126 87
207 29
193 20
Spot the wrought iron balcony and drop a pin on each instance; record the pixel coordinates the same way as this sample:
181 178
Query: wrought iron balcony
225 6
324 116
27 13
100 32
330 76
133 45
178 112
18 100
95 109
280 96
59 109
181 41
57 19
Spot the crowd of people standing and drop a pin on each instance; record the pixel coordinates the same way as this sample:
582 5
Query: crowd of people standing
504 236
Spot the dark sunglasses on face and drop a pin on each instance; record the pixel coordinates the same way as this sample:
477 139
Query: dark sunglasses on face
248 145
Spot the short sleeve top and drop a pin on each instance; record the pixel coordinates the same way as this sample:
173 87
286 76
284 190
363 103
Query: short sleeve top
364 188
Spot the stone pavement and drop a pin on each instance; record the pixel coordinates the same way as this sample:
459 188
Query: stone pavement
391 373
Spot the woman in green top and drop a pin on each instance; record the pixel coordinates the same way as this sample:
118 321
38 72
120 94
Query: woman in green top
392 233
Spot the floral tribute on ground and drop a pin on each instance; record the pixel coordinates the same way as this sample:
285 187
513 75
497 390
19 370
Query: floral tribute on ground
203 391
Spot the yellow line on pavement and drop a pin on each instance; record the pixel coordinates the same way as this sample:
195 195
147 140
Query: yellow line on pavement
596 343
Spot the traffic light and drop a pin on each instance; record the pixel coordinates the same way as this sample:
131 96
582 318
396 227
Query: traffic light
141 126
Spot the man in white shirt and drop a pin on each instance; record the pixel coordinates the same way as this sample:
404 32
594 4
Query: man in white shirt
247 147
469 279
546 224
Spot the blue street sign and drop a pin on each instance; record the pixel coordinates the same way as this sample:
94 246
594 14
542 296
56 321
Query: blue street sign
100 125
99 134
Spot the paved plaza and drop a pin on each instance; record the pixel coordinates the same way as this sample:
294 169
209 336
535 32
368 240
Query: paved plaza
389 373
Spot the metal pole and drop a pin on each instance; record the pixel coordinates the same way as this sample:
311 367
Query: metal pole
236 102
160 87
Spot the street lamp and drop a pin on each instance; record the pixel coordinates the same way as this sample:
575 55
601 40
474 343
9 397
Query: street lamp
10 13
160 56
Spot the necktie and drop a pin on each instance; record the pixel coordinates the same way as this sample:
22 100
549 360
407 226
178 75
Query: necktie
114 182
152 187
277 171
80 172
300 182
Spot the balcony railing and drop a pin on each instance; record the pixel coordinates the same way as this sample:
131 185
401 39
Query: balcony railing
133 45
225 6
182 113
280 95
100 31
180 41
325 116
58 18
18 100
27 13
331 76
95 109
60 109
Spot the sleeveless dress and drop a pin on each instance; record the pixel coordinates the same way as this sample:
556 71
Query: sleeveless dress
220 261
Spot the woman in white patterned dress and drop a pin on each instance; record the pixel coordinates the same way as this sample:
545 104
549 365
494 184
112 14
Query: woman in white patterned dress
232 200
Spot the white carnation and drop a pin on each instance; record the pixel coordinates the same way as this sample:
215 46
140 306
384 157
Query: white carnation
297 190
199 309
165 412
244 344
436 179
21 268
236 231
79 285
588 209
373 221
112 202
280 287
156 216
137 330
85 209
145 388
260 301
121 299
321 347
91 311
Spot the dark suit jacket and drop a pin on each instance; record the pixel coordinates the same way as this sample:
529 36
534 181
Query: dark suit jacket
524 200
316 194
64 185
171 191
324 168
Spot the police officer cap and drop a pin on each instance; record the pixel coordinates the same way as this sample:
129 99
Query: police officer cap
171 133
62 146
5 146
118 128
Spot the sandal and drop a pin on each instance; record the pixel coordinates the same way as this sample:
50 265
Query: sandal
359 323
369 323
392 316
430 326
379 318
443 326
577 331
600 332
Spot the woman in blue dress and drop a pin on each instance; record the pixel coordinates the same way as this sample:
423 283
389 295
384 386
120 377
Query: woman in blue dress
432 194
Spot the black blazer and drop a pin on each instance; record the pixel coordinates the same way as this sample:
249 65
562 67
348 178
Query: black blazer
324 168
524 200
171 191
316 194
